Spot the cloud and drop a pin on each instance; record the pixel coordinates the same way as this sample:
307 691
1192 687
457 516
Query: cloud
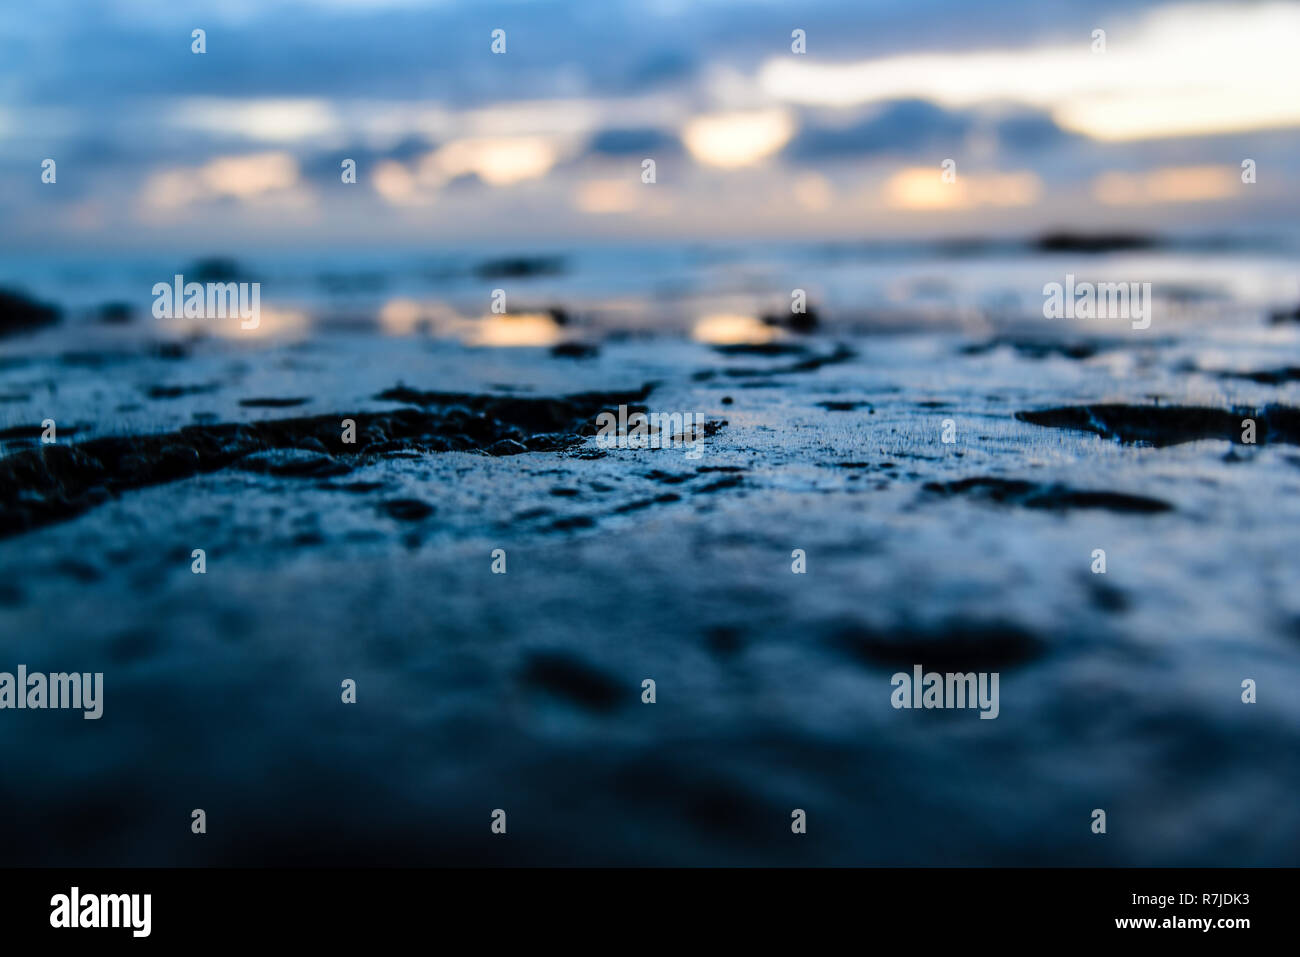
246 178
903 127
396 184
1182 71
641 141
916 128
1174 184
500 161
660 69
1029 132
548 139
497 161
737 139
272 121
604 196
922 188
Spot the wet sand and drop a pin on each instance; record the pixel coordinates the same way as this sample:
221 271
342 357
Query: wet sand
522 691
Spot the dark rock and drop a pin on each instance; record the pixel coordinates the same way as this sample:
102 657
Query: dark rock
1038 348
171 350
572 413
574 680
573 521
178 391
800 322
20 314
1164 425
761 349
730 481
356 488
51 483
1054 498
1285 315
520 267
954 646
841 353
507 447
116 313
406 509
1065 242
647 502
1107 598
272 403
215 269
574 350
1267 376
83 572
668 478
724 639
530 513
293 463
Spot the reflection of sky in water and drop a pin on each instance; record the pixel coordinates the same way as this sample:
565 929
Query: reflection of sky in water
713 294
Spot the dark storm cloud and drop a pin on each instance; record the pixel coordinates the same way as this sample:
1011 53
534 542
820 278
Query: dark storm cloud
633 142
901 127
907 127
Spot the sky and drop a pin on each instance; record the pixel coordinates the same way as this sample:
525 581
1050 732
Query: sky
242 146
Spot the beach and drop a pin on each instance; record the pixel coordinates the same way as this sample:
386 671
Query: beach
919 475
